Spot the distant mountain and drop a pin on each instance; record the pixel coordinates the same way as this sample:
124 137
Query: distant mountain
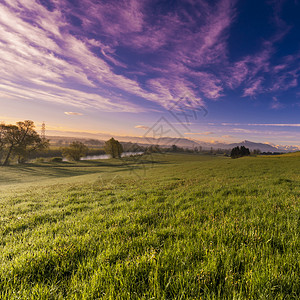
187 143
287 148
164 141
180 142
252 146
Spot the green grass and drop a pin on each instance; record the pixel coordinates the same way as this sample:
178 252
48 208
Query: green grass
190 227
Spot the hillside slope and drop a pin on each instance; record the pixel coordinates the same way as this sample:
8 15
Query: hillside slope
186 226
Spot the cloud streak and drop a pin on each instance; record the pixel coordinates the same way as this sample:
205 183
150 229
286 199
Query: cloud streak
60 44
130 56
199 133
142 127
72 113
253 124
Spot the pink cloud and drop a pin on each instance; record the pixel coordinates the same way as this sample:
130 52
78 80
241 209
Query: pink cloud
47 55
254 88
276 103
209 84
196 47
72 113
279 68
45 51
200 133
142 127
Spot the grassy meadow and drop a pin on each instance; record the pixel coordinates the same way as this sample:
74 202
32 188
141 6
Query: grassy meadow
183 227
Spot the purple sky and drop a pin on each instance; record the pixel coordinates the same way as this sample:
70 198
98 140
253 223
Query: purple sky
119 66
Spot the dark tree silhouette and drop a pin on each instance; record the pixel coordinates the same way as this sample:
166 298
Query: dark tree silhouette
174 148
239 152
244 151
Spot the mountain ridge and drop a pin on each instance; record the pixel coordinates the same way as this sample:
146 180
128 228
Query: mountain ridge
181 142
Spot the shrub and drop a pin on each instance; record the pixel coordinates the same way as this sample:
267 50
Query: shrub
75 151
39 160
56 159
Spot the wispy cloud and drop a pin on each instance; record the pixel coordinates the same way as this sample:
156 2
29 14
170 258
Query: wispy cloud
200 133
72 113
142 127
262 124
254 88
276 103
119 55
50 44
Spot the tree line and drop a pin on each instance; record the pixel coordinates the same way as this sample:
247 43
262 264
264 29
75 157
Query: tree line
21 141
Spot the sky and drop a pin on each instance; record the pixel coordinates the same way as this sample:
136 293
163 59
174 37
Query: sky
218 70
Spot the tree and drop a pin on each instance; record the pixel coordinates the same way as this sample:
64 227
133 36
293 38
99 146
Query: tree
75 151
153 149
21 140
244 151
10 141
256 151
235 152
239 152
113 148
174 148
30 141
2 138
